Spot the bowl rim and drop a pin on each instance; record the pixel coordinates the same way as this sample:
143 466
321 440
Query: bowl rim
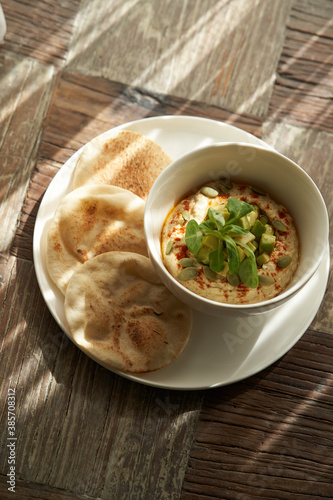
157 259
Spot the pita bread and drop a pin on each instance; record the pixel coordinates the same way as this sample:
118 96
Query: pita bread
89 221
121 315
127 159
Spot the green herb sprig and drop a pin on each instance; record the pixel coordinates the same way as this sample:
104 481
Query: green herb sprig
224 231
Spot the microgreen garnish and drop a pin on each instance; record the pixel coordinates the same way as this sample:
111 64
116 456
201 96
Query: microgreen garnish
216 259
248 272
193 236
225 231
238 209
233 254
216 217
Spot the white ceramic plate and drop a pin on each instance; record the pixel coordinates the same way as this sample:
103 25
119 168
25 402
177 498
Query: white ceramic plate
219 352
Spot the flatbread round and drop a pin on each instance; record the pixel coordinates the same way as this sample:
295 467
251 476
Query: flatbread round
121 314
127 159
89 221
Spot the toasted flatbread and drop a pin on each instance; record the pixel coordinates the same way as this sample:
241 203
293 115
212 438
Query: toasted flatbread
126 159
121 314
89 221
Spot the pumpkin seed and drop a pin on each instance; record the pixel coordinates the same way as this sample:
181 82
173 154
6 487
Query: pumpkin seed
258 191
209 192
279 225
284 261
233 279
225 182
266 280
169 247
224 188
209 273
186 262
186 215
188 273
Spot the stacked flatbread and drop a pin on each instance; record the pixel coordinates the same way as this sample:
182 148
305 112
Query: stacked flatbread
117 309
89 221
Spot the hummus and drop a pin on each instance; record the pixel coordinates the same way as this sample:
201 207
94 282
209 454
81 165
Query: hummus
273 273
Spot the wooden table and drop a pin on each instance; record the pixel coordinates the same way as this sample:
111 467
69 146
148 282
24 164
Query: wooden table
70 70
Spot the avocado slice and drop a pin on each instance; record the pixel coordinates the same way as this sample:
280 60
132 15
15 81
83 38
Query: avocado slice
269 229
262 259
267 243
241 253
203 254
244 238
253 216
211 242
245 223
258 229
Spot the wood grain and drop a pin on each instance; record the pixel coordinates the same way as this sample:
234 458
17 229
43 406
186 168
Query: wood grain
303 91
269 436
25 91
33 491
83 107
211 52
70 71
40 29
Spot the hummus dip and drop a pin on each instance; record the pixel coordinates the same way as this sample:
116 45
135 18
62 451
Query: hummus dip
275 266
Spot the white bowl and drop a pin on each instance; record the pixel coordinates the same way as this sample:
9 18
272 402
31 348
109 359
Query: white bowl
283 179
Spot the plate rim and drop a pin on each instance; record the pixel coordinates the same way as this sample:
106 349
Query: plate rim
37 235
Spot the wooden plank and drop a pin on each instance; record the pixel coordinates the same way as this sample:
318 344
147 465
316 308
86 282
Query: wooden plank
313 151
83 107
269 436
93 434
312 15
40 29
25 91
303 90
208 51
33 491
90 431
